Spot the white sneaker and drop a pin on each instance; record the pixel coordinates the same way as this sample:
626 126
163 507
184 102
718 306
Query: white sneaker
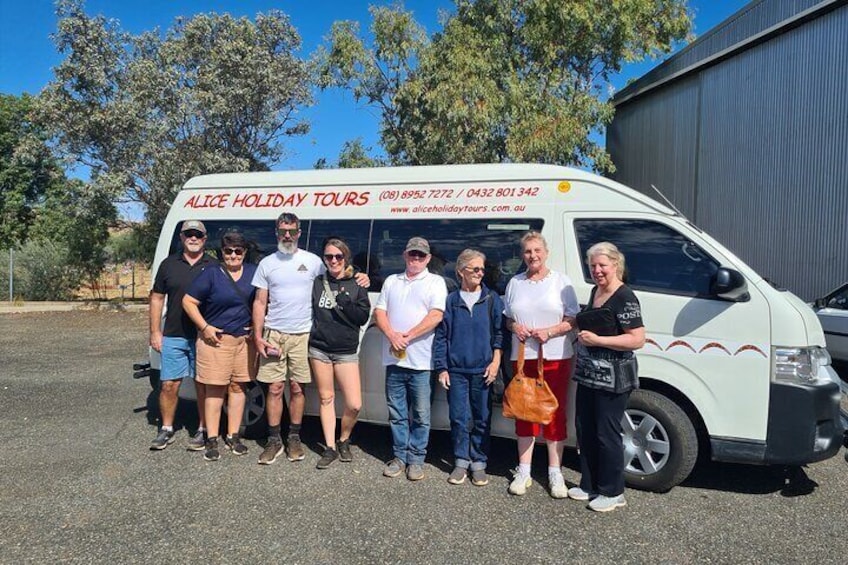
578 493
558 488
519 485
607 503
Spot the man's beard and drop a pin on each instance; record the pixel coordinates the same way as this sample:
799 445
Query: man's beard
287 247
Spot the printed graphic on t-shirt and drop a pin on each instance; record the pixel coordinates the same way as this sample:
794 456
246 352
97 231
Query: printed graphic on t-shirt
328 301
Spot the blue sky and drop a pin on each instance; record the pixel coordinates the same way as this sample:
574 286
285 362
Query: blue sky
27 54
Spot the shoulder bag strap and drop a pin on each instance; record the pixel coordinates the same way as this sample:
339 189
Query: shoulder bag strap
335 305
540 364
238 290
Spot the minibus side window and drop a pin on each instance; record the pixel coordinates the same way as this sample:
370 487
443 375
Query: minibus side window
658 258
260 235
354 232
497 238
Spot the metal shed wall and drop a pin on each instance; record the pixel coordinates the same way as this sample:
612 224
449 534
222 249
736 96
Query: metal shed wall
754 149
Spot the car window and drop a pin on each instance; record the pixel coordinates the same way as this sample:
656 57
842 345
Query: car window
260 236
839 299
657 257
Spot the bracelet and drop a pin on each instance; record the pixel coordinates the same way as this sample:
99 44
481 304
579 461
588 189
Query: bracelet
204 328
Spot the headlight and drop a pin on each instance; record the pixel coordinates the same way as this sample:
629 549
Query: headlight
798 364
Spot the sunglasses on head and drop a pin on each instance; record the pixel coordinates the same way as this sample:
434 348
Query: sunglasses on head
475 270
194 233
331 256
416 254
233 250
290 231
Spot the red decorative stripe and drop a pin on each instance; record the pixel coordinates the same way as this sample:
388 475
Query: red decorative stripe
714 345
750 347
680 342
652 342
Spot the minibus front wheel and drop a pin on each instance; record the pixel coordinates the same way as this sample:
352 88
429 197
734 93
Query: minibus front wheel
660 442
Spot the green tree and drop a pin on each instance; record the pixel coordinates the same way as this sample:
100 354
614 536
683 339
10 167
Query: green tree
353 155
27 168
505 80
145 113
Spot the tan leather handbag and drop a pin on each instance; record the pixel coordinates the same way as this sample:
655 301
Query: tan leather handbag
527 398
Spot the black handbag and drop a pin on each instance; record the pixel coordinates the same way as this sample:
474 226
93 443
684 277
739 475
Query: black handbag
611 374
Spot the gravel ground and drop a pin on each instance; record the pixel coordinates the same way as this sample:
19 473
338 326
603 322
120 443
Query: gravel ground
78 484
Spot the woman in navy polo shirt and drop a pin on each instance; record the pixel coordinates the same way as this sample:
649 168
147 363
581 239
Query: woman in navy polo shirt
219 302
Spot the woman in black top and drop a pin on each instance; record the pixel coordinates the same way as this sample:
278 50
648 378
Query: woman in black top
605 374
340 307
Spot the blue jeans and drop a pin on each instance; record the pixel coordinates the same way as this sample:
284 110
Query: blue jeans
468 398
408 399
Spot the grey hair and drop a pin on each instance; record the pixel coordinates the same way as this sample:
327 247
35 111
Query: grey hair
466 257
611 251
533 234
288 218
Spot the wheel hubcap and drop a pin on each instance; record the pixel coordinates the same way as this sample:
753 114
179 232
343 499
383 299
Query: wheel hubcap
646 443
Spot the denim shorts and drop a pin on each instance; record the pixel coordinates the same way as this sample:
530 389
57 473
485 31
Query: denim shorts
178 358
334 358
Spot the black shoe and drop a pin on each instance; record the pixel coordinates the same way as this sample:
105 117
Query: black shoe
211 453
327 457
235 445
163 439
343 447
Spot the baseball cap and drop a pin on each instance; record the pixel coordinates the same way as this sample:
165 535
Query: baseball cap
418 244
193 225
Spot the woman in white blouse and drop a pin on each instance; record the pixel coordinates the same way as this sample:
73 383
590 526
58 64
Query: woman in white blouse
540 309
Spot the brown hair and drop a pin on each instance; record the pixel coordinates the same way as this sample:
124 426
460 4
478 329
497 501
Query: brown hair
345 249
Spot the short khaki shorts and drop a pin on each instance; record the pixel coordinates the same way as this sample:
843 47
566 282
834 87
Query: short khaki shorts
234 360
293 362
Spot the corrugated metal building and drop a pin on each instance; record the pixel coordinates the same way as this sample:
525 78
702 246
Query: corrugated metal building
746 132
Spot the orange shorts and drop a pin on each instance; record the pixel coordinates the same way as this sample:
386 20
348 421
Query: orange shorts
558 376
234 360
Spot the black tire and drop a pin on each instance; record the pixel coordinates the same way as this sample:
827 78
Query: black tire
660 442
254 422
153 377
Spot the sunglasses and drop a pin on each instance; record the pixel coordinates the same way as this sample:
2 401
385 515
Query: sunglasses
475 270
416 254
331 256
233 250
290 231
197 234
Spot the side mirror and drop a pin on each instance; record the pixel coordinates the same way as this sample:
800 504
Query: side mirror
729 285
820 303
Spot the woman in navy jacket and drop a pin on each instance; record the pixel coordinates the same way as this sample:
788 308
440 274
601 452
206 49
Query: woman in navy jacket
467 355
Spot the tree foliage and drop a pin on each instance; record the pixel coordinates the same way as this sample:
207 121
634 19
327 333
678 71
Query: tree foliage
353 155
505 80
147 112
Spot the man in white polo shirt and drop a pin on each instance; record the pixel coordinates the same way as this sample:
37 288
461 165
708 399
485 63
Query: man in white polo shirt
410 306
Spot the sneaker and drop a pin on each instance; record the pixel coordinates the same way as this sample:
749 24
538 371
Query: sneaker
607 503
163 439
457 476
343 447
393 468
415 472
519 485
197 442
327 457
479 478
294 450
235 445
272 450
578 493
557 484
211 453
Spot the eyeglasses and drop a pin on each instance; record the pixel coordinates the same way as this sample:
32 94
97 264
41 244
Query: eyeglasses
197 234
290 231
475 270
233 250
331 256
416 254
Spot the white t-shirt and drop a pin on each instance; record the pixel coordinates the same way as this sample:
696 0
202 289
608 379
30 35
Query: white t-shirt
541 304
406 302
470 298
288 280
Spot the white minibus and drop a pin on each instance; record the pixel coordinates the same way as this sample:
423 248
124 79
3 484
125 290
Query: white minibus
733 369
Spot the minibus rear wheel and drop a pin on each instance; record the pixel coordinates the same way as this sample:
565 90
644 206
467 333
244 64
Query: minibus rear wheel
660 442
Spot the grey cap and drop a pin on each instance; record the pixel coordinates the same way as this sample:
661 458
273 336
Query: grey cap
193 225
418 244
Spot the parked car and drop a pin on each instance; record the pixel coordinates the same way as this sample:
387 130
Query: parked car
832 311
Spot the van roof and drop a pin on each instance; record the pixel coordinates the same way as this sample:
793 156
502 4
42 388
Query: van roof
424 174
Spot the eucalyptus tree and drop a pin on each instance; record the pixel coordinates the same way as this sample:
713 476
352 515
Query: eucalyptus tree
146 112
505 80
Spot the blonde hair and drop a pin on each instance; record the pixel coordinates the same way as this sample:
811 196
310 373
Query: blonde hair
611 251
343 247
533 234
466 257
